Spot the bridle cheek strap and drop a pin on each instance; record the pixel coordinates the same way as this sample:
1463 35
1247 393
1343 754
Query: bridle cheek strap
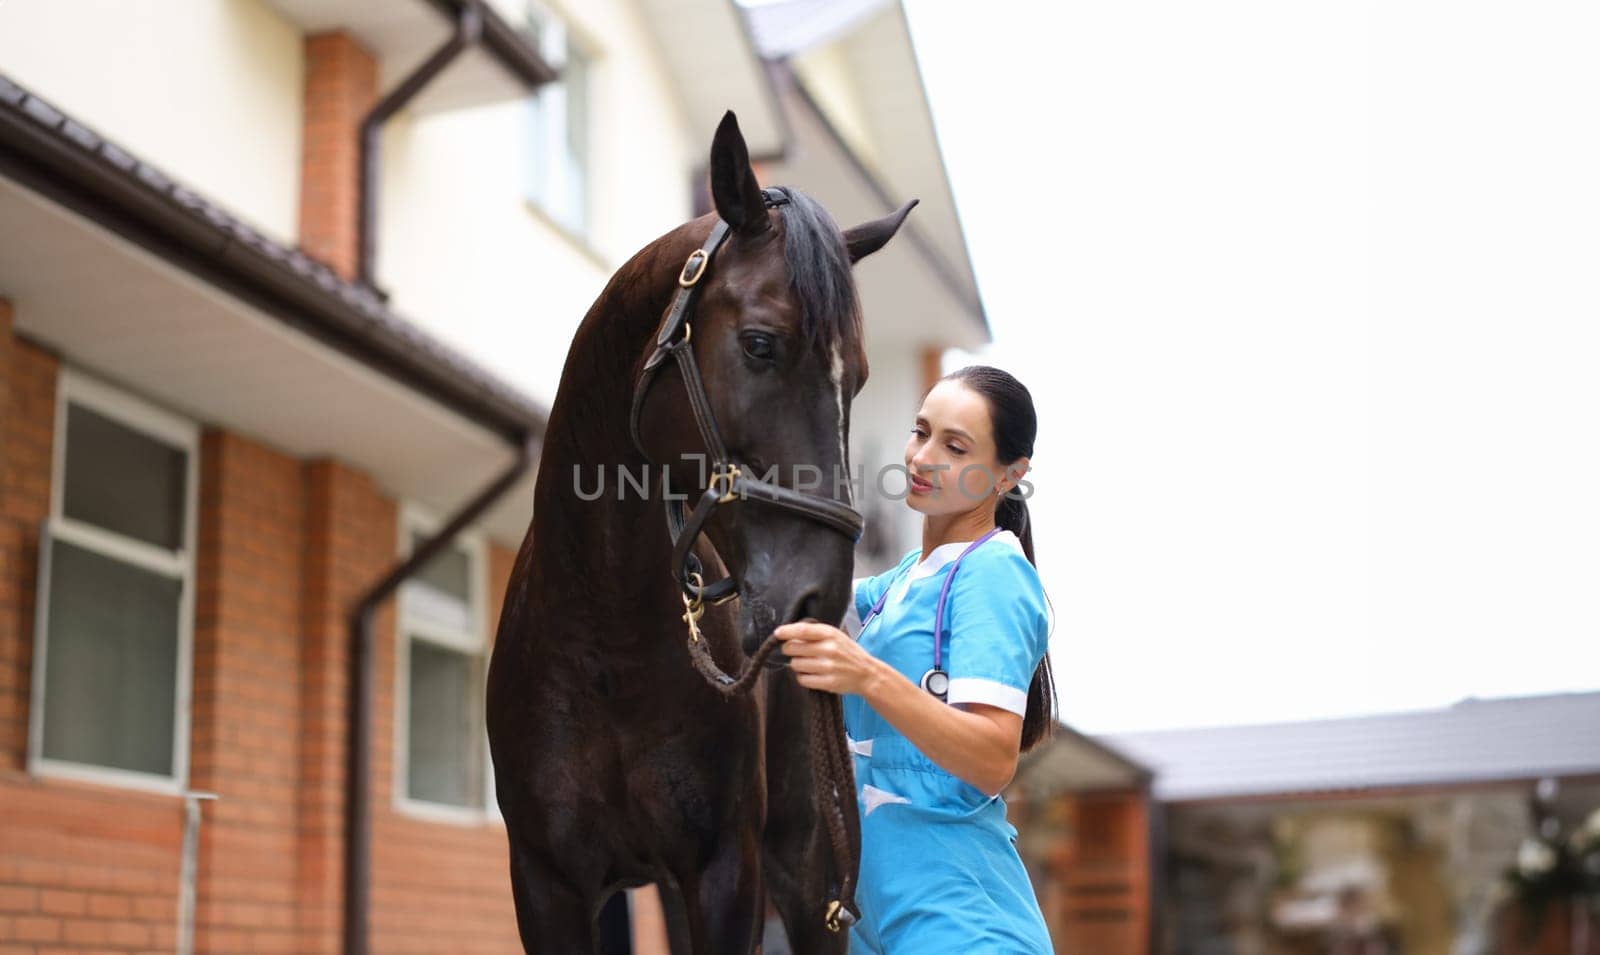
728 482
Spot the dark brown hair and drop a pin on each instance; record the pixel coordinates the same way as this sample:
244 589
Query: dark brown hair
1015 425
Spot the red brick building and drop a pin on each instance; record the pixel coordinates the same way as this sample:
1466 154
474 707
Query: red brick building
214 448
281 547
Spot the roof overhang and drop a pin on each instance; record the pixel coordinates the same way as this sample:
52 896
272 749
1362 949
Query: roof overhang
911 295
1369 796
110 307
125 274
715 67
401 34
853 71
1074 763
1471 744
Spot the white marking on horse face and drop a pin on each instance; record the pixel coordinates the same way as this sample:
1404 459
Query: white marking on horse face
836 372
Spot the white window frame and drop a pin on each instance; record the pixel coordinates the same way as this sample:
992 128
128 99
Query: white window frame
416 519
557 35
74 387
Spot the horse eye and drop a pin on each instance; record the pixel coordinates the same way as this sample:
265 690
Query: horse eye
759 347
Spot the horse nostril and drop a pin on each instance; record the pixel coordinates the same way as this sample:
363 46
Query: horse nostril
806 607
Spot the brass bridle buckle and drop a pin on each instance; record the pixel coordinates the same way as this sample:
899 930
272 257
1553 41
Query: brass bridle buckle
726 475
693 268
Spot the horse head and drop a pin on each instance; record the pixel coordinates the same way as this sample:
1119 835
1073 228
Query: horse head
771 325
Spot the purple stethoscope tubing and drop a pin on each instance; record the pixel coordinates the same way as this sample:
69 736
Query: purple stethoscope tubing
938 615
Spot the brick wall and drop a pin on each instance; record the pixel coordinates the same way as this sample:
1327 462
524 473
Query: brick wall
1090 855
81 867
247 710
437 887
285 549
84 868
341 87
347 526
931 361
27 419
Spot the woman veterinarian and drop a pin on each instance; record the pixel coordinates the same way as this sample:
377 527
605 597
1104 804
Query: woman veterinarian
937 726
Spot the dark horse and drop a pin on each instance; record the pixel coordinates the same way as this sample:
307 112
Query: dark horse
616 763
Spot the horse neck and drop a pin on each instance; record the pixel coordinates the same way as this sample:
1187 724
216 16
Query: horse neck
610 538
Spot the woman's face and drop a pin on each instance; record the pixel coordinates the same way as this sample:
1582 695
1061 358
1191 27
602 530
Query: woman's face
951 456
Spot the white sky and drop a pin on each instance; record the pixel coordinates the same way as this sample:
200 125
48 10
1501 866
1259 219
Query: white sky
1306 294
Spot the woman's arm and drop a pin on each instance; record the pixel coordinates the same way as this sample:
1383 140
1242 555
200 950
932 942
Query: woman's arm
974 742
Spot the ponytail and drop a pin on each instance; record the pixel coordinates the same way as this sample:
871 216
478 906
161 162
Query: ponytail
1011 513
1016 424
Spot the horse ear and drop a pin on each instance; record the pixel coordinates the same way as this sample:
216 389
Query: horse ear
734 190
869 237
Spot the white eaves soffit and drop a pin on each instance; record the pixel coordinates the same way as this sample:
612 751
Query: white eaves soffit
893 108
909 297
848 76
122 314
714 64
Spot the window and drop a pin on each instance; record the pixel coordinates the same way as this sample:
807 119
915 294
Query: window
558 126
442 662
115 608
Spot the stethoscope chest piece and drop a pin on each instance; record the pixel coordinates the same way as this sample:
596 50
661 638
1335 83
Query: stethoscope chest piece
936 681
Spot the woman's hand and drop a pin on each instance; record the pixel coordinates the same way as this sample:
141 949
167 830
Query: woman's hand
973 741
826 658
976 742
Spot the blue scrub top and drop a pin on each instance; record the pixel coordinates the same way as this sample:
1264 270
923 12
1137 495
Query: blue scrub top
939 865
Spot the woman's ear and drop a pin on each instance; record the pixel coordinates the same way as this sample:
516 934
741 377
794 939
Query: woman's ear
1013 476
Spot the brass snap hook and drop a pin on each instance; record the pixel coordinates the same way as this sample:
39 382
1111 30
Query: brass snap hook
694 608
832 919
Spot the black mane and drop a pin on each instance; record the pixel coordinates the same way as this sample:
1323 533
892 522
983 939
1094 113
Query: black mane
819 273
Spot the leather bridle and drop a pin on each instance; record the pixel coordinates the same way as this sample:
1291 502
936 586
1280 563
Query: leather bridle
728 480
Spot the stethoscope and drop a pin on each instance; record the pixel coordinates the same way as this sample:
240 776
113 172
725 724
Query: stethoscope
936 681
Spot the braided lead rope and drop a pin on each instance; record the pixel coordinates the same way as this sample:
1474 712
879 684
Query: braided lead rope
700 656
829 749
829 754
